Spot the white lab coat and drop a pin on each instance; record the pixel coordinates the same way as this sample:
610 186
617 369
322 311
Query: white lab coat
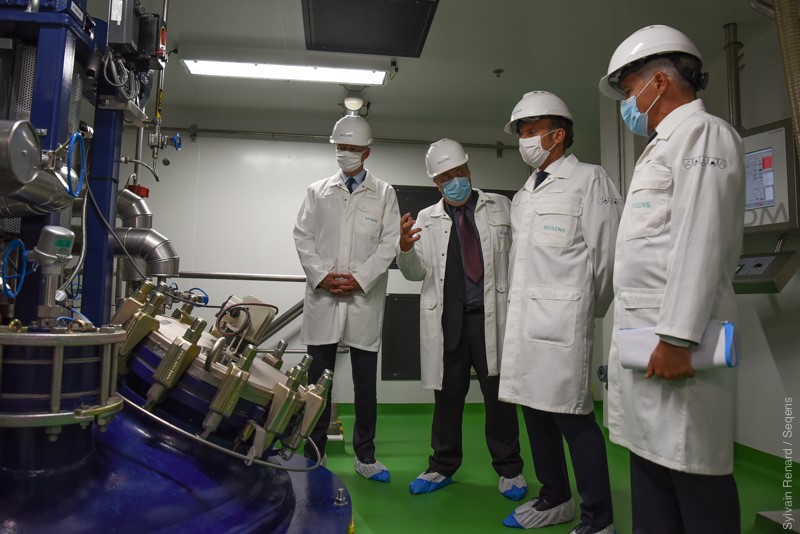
678 245
561 264
356 234
426 262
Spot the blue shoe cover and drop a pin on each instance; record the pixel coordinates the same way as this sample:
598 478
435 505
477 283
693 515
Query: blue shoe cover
374 471
511 521
383 476
513 488
428 482
515 493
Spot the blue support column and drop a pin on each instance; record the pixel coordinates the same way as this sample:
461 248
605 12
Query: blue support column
99 266
55 62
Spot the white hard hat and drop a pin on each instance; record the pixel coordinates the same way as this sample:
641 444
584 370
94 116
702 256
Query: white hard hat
351 131
443 155
537 104
647 42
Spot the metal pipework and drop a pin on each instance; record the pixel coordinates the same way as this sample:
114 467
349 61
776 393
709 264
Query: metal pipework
732 56
155 138
154 247
137 155
134 213
133 210
242 276
284 319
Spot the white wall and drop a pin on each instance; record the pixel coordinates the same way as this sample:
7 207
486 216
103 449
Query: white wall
228 203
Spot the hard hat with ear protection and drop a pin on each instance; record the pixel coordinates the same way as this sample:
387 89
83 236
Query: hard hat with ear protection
646 44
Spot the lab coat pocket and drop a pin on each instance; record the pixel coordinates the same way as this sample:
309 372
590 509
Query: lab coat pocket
552 314
500 229
367 233
555 223
648 203
640 307
501 232
429 324
368 219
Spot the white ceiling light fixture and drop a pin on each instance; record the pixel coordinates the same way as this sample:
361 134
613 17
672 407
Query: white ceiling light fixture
274 71
353 102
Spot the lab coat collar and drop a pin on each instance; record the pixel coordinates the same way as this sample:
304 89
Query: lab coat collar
336 181
440 211
359 177
669 123
560 169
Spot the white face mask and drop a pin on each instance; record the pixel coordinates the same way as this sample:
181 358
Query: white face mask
532 151
348 161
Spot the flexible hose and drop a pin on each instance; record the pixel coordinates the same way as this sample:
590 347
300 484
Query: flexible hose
787 21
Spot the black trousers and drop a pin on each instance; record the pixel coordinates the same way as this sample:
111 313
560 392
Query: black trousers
501 428
587 449
666 501
365 371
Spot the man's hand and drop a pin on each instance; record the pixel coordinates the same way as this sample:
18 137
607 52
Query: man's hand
331 281
346 285
408 235
339 284
670 362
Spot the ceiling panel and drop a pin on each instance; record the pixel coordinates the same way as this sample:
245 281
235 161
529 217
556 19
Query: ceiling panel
562 46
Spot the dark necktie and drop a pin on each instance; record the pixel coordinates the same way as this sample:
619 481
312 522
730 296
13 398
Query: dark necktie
541 176
473 266
351 184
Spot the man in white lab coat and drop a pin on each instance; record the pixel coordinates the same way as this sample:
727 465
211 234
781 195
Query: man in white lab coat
459 249
678 245
565 221
346 236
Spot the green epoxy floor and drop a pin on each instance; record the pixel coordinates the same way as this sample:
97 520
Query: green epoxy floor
472 504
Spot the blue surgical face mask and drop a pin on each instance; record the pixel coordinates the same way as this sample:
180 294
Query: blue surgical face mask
635 120
457 190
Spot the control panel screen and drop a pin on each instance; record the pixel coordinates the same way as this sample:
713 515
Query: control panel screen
760 179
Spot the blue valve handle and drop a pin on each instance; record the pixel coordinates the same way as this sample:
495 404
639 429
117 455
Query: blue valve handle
79 138
22 269
175 141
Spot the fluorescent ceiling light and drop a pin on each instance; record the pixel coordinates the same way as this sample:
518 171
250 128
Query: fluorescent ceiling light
268 71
